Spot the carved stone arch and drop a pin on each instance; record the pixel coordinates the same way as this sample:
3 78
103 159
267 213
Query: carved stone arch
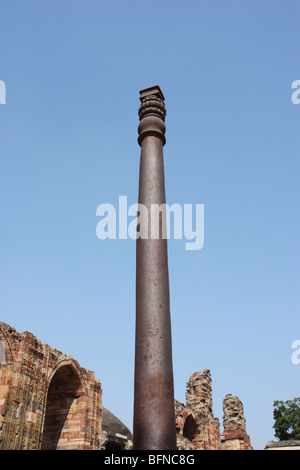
68 361
66 408
9 359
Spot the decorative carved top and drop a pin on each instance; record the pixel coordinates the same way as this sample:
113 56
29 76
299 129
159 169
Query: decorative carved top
152 113
152 90
152 105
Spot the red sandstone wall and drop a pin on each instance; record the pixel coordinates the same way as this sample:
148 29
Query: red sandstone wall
235 439
48 401
203 430
25 379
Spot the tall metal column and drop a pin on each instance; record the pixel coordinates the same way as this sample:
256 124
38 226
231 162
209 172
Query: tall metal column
154 415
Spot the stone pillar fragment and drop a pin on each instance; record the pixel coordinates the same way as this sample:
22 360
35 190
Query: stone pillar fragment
234 436
199 400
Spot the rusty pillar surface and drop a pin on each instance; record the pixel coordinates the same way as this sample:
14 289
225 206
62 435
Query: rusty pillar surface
154 415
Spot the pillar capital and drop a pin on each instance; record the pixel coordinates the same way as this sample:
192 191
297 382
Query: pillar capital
152 113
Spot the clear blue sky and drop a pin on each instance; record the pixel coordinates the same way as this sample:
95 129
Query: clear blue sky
73 71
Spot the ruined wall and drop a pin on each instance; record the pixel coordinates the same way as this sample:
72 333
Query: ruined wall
196 426
186 427
199 399
234 423
47 401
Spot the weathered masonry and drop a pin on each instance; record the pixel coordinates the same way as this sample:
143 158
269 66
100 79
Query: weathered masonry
49 402
197 428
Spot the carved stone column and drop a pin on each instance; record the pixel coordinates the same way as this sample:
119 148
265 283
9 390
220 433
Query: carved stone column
154 415
234 436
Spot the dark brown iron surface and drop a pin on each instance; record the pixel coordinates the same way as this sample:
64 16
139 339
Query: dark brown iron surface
154 415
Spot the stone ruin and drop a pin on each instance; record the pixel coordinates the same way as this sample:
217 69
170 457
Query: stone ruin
49 402
234 424
197 428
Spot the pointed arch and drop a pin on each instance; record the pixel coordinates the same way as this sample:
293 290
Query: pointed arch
190 428
65 411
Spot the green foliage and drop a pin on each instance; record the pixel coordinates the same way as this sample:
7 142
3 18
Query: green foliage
287 419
